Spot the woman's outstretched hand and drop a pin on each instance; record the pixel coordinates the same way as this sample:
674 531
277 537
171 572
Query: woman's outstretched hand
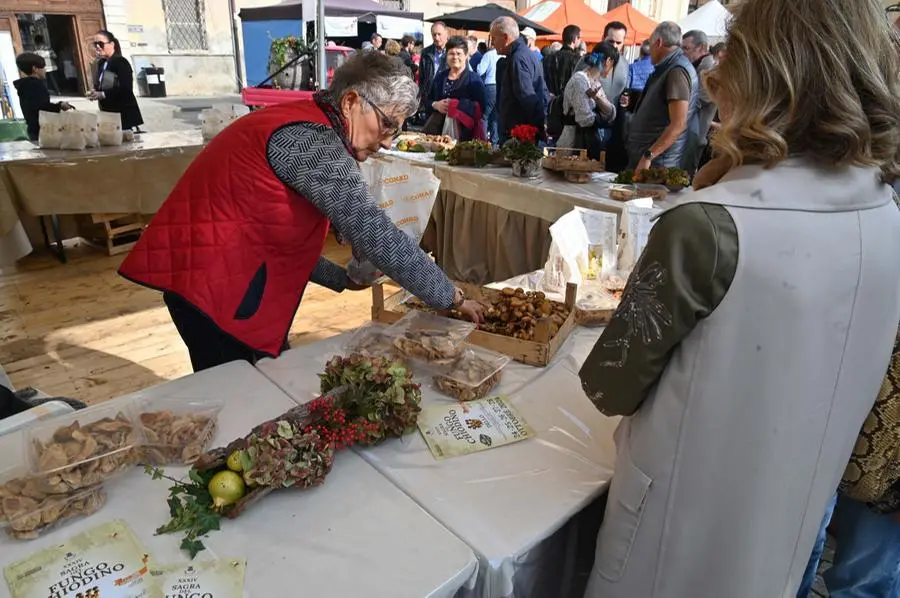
472 310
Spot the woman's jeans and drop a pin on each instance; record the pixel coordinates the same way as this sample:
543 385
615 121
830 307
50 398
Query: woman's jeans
867 557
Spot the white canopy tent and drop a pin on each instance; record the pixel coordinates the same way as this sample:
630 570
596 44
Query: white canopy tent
712 19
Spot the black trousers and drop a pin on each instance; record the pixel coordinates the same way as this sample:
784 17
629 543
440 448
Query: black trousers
207 344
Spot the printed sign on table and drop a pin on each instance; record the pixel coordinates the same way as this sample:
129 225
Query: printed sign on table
464 428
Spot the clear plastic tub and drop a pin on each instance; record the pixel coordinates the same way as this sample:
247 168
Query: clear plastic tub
595 307
29 518
84 448
430 338
371 340
473 375
176 430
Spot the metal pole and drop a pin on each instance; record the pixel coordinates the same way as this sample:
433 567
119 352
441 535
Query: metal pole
321 67
235 45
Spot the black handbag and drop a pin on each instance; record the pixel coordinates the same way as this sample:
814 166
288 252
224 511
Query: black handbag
435 124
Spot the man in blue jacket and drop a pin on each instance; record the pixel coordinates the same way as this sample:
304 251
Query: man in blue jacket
522 94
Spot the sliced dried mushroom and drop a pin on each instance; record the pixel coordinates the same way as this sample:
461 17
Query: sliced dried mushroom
28 518
175 438
429 345
470 378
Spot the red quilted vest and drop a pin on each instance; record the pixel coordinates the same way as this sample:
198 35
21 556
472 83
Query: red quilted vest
230 220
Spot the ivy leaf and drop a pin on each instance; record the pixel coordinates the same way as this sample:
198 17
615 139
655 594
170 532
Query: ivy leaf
192 547
195 476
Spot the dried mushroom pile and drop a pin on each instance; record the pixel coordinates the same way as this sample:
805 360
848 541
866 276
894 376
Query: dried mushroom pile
79 456
470 378
515 313
30 511
373 344
175 438
437 346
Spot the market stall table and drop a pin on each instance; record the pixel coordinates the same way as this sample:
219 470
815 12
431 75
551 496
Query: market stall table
523 508
357 535
134 178
504 220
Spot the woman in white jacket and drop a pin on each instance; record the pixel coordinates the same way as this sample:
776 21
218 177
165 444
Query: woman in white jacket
587 113
755 331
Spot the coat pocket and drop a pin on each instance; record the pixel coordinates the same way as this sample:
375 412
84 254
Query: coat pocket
253 295
624 508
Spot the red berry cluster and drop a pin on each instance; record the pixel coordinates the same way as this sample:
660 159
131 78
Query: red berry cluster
330 423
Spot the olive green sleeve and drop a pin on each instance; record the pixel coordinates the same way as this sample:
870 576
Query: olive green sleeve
682 276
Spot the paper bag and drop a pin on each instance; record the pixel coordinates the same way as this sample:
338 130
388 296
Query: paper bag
212 122
50 135
634 230
88 122
73 136
602 232
109 128
407 194
569 253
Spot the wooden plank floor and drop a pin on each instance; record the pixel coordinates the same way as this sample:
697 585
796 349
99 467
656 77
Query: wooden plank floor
80 330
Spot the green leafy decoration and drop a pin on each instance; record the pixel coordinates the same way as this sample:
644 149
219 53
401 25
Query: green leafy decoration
190 508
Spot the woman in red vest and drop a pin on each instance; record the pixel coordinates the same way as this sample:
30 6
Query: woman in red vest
240 236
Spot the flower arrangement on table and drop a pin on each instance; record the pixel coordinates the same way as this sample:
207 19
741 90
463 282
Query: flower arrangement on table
365 401
522 150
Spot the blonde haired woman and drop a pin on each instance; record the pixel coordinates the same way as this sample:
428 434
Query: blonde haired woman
755 331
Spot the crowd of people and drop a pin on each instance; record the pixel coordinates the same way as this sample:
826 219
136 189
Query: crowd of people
651 112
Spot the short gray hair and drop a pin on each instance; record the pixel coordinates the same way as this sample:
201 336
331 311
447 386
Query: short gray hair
506 26
700 38
668 32
381 79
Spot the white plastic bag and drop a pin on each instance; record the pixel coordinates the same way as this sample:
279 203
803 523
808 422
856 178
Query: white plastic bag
407 193
109 128
88 122
212 122
634 230
73 136
569 253
50 135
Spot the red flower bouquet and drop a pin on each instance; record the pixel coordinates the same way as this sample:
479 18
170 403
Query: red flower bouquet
522 145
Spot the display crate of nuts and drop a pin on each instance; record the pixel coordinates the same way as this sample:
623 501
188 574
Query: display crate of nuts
176 430
472 376
526 326
84 448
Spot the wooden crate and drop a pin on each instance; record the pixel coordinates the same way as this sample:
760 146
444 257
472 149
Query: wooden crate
539 352
117 233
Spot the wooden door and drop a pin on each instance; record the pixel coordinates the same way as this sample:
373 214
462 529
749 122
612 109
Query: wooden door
84 29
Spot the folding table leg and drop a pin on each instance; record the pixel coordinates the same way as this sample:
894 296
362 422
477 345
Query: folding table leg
59 250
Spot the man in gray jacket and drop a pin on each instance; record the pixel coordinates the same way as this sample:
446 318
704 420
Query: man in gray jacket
695 45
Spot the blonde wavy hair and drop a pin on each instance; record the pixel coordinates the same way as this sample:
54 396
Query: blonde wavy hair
819 78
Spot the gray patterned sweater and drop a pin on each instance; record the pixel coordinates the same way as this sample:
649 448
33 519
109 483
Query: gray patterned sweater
311 159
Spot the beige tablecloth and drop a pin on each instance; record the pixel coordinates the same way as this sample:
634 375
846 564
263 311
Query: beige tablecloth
490 225
131 178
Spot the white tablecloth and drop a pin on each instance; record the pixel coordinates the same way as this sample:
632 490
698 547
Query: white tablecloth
357 535
510 504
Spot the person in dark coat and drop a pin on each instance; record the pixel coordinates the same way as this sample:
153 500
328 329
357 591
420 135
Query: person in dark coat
457 93
407 42
433 60
114 82
33 94
558 69
522 94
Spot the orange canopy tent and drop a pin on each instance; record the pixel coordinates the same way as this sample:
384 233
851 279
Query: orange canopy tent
640 26
556 14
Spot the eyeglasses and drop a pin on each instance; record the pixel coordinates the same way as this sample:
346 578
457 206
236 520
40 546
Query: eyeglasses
99 44
389 127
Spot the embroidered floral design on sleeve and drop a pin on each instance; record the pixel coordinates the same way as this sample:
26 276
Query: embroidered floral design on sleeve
645 316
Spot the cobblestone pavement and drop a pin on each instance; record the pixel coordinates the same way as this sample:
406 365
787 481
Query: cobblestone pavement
166 114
